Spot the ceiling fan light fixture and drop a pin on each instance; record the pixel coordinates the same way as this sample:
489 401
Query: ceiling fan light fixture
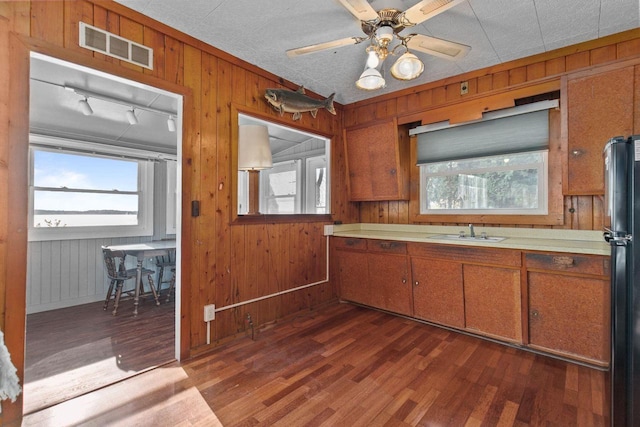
407 67
373 60
131 117
370 79
384 34
85 107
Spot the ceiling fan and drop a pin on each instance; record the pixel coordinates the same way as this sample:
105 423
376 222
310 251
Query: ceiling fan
381 28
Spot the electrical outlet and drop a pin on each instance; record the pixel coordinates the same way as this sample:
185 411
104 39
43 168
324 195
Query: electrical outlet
464 88
209 312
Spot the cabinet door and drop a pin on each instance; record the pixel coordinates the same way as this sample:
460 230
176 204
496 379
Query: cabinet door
389 281
492 301
600 106
570 315
353 276
437 291
374 163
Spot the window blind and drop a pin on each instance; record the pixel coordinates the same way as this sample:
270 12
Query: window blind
503 132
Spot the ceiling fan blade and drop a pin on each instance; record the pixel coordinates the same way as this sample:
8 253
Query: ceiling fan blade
361 9
437 47
323 46
426 9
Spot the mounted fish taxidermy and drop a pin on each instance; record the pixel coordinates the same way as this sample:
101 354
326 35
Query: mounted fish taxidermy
296 102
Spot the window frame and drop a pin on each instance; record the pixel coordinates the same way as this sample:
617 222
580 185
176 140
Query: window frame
171 197
239 218
462 111
145 192
311 164
543 187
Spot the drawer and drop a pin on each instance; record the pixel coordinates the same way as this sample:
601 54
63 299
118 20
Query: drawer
387 246
349 243
467 254
574 263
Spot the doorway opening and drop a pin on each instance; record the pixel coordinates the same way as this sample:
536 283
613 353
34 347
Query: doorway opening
104 170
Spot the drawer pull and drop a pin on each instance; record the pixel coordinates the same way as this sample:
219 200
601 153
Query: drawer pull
416 283
563 261
535 314
404 280
386 245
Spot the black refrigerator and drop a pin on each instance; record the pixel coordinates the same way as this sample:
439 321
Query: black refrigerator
622 232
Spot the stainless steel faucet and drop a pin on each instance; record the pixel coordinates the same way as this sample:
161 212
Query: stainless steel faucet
472 231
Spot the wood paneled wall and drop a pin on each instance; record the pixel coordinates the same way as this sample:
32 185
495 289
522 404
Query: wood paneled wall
223 262
581 212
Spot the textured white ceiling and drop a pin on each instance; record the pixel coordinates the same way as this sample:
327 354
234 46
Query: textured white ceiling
260 32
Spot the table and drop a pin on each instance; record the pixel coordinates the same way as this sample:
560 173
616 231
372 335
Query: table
142 251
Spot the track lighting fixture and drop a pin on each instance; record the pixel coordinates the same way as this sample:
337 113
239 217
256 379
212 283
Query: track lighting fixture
131 117
130 114
85 107
171 124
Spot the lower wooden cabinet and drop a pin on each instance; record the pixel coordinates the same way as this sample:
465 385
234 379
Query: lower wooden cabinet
437 291
554 302
375 273
389 281
353 276
492 301
570 306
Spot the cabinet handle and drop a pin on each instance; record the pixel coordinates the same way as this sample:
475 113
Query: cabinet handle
535 314
404 280
563 261
577 153
386 245
416 283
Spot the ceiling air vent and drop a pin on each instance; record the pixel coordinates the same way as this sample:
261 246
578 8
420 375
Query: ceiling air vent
109 44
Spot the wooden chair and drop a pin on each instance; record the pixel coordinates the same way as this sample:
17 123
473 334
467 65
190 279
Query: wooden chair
166 262
172 284
118 273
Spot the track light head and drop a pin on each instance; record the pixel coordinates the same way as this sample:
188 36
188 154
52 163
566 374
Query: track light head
171 124
85 107
131 117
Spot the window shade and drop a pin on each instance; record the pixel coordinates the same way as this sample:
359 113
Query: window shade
512 134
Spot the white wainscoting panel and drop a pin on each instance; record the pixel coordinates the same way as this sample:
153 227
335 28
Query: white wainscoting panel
64 273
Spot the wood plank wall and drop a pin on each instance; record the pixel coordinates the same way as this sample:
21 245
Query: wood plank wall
223 262
581 212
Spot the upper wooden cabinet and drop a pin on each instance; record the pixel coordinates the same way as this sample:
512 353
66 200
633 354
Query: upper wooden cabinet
599 106
377 162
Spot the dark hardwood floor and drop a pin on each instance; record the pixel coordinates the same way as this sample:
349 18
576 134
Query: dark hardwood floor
350 366
75 350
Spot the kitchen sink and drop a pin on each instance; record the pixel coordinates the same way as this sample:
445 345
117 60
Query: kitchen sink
463 238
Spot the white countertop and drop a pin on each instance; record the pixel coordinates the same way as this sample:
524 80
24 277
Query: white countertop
535 239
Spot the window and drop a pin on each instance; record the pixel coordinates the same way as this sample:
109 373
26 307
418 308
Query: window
280 189
494 166
79 195
509 184
298 181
